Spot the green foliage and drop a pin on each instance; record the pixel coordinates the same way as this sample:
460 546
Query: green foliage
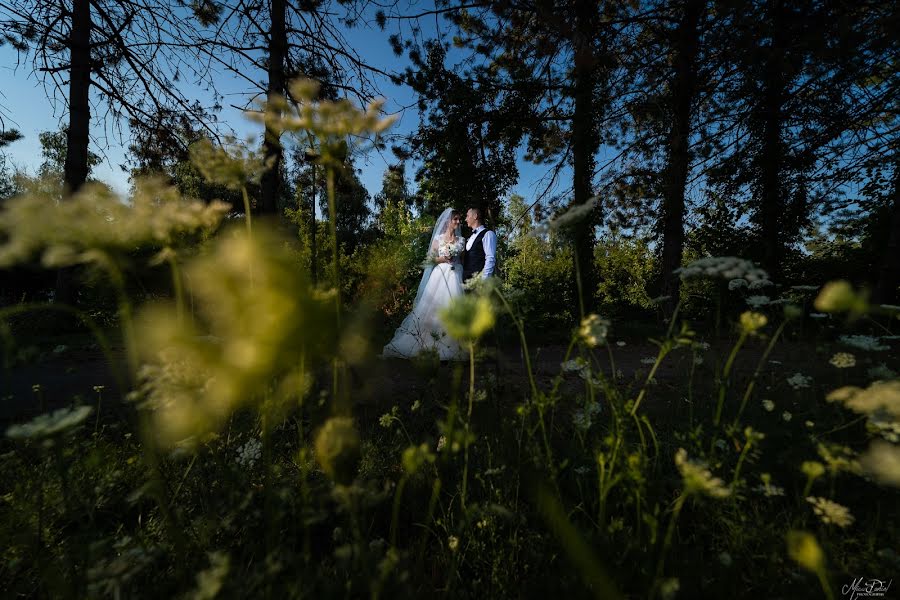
625 267
541 267
53 151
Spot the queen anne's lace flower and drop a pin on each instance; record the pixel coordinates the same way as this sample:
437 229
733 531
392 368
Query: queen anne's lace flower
50 424
757 301
881 395
249 453
883 462
581 420
799 381
830 512
843 360
567 218
768 405
727 267
752 321
863 342
838 296
697 478
593 330
760 283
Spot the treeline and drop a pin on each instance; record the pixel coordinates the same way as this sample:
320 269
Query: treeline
744 128
766 129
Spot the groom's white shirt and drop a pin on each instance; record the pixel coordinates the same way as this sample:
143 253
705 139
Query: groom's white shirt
489 242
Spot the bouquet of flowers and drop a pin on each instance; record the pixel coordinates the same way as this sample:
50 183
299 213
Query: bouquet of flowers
449 250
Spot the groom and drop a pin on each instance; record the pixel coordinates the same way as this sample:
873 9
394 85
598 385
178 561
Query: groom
481 247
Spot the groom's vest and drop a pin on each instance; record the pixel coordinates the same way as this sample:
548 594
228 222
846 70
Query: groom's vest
474 257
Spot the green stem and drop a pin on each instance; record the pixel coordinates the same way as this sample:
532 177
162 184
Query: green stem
737 467
823 581
723 384
99 403
395 516
663 351
247 217
759 367
468 422
667 541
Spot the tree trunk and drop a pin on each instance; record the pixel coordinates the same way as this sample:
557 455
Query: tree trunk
889 273
684 90
584 146
75 169
270 183
772 149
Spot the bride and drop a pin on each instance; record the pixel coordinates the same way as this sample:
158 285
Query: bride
421 330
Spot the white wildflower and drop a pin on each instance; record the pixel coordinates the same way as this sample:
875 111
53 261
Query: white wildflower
769 490
249 453
831 512
577 365
620 344
863 342
593 330
883 462
768 405
581 420
843 360
697 478
787 416
50 424
567 218
728 267
883 424
760 283
799 381
757 301
881 395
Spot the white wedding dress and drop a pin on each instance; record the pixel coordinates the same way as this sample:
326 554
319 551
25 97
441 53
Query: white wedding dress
422 330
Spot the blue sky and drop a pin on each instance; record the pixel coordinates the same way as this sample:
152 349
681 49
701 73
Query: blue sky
27 106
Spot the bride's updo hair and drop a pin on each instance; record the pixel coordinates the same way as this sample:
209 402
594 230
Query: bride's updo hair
453 214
